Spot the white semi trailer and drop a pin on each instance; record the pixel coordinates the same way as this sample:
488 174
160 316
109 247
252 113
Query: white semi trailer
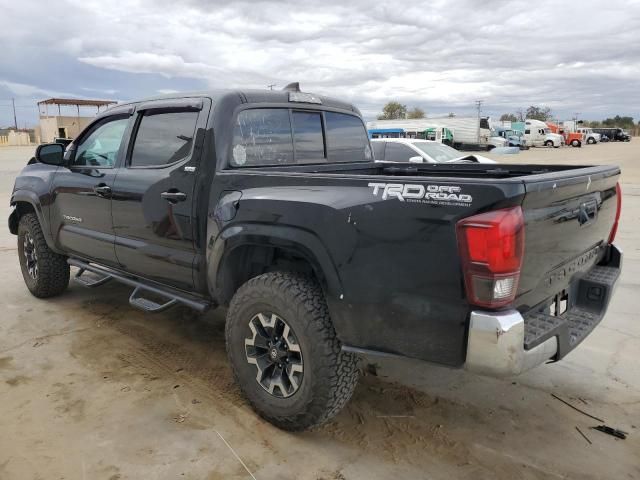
469 133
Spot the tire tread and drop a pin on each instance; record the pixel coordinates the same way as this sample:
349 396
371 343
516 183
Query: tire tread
53 269
338 369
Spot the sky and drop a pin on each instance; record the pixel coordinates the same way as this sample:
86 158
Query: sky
575 57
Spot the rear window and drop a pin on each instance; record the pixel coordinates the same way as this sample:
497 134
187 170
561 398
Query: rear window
307 135
279 136
262 137
347 139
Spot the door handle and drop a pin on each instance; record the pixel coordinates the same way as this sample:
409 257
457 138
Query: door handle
174 197
102 190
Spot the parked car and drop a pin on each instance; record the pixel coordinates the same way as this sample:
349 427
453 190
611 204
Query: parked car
420 151
269 203
538 134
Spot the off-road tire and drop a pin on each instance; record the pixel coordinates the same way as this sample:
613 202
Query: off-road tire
591 140
52 276
330 374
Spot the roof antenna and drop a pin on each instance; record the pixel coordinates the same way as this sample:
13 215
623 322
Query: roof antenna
292 87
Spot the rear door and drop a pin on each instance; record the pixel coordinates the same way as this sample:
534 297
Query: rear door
81 204
153 194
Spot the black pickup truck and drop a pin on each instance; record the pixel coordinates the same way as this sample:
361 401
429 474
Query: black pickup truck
270 203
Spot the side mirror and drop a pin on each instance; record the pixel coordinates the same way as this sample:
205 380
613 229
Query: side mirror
50 154
416 159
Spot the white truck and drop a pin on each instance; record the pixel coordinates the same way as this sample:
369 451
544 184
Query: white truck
538 134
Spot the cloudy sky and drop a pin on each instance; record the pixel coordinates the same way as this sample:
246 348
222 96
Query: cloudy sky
581 56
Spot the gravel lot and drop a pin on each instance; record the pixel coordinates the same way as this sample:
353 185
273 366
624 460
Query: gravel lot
91 388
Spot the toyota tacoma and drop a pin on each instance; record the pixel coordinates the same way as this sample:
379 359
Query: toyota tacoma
270 203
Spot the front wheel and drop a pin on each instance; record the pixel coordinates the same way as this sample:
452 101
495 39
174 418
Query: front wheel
284 351
591 141
45 272
576 143
548 143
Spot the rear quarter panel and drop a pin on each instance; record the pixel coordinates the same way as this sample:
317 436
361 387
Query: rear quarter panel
398 285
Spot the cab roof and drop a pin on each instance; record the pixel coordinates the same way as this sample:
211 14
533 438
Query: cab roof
249 96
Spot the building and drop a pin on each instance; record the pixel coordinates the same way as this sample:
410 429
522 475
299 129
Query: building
21 137
53 124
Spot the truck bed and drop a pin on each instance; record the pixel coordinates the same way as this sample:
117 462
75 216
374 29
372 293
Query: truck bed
398 261
461 170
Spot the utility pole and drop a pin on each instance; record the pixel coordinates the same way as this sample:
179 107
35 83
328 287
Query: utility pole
479 107
271 85
15 119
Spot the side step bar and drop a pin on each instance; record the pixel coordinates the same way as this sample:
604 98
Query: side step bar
137 298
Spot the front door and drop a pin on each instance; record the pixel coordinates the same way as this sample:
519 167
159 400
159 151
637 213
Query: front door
81 204
153 194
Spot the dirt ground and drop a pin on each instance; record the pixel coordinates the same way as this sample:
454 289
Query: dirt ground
93 389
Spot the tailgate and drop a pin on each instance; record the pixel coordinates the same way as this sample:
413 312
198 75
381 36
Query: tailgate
568 220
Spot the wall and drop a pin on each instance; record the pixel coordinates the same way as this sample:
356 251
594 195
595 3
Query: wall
49 126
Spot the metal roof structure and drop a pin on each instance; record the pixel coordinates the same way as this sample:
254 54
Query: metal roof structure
77 102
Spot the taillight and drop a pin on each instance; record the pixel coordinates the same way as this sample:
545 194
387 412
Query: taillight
614 229
491 248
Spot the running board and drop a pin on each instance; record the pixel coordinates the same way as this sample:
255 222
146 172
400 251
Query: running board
78 278
137 298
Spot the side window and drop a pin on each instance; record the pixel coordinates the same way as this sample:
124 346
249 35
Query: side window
262 136
347 139
396 152
308 137
163 138
100 148
527 132
378 150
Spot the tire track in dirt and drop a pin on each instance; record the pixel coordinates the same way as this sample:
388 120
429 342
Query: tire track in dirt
397 424
180 344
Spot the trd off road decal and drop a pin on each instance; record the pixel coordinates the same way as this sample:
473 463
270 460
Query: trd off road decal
431 194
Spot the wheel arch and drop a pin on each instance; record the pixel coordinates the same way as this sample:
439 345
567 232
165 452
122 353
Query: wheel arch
242 252
25 202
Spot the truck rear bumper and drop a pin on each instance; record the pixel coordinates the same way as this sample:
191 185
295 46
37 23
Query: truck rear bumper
509 343
496 345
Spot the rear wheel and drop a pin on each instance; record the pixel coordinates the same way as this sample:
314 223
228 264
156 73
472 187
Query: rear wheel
45 272
548 143
284 351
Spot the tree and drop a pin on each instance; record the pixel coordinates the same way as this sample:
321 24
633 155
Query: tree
508 117
415 112
539 113
618 121
393 111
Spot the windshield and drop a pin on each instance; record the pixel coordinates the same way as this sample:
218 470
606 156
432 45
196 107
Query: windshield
438 152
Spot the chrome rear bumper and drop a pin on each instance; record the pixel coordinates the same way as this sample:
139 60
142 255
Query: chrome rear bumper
496 345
